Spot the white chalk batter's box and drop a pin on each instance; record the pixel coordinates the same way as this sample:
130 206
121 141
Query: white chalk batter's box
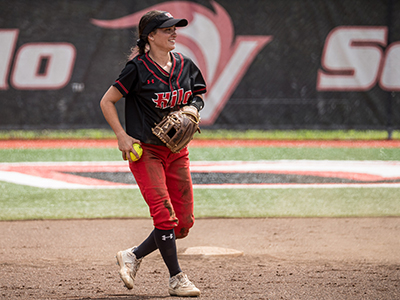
211 174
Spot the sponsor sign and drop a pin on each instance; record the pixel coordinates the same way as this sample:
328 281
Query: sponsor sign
267 66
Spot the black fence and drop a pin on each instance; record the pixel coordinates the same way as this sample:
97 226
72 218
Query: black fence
290 64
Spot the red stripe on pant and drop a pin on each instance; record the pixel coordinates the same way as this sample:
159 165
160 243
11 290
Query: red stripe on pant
166 185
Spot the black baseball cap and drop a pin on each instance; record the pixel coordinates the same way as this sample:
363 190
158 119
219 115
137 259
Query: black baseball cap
163 20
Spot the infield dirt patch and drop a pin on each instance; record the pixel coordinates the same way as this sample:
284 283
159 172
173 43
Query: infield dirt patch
284 258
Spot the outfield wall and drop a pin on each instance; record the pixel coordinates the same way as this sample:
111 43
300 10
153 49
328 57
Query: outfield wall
289 64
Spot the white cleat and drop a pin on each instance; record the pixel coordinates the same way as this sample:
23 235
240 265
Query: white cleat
180 285
129 265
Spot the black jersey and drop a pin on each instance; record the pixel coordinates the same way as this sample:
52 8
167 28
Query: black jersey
151 92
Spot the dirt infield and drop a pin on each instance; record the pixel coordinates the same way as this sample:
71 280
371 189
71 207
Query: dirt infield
284 258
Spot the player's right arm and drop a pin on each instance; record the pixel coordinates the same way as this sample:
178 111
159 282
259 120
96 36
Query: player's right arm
107 105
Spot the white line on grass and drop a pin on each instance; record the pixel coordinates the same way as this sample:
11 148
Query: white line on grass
18 173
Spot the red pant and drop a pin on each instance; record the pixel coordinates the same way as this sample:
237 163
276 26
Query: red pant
166 185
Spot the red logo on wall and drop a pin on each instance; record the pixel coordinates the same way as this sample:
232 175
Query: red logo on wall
210 41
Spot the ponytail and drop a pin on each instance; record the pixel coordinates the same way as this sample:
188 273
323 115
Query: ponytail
141 45
139 49
142 42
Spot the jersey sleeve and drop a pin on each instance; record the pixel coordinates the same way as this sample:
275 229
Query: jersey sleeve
199 84
126 79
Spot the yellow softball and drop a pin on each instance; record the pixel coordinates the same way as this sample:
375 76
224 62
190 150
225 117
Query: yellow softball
139 151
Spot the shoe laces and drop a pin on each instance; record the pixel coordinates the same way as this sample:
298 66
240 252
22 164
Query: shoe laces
133 262
184 281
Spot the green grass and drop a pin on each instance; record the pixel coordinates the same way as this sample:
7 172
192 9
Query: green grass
22 202
339 202
257 153
212 134
57 134
63 154
298 134
210 154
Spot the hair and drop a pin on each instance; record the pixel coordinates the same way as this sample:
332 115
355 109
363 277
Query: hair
146 18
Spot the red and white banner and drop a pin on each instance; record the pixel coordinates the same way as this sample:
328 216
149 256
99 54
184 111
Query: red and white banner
269 65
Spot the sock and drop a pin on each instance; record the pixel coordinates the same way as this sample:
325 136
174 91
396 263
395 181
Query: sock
165 240
146 247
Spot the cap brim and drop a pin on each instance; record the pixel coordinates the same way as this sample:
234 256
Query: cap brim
174 22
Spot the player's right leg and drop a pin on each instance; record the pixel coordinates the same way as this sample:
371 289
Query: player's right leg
130 259
149 175
129 265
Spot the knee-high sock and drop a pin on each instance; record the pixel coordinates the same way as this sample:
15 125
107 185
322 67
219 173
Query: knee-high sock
165 240
146 247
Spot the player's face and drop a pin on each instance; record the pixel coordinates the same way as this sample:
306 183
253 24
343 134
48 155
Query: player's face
165 38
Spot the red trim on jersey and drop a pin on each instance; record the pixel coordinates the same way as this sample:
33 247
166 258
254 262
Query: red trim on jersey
165 73
200 90
121 85
151 71
172 72
180 72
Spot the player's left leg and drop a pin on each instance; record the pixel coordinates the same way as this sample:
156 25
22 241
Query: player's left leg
179 183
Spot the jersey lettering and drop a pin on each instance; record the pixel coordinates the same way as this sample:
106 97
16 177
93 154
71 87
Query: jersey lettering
162 100
176 97
170 99
188 94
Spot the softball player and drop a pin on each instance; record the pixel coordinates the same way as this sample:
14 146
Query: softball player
154 82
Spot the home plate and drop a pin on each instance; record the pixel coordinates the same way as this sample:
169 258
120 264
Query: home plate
210 251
